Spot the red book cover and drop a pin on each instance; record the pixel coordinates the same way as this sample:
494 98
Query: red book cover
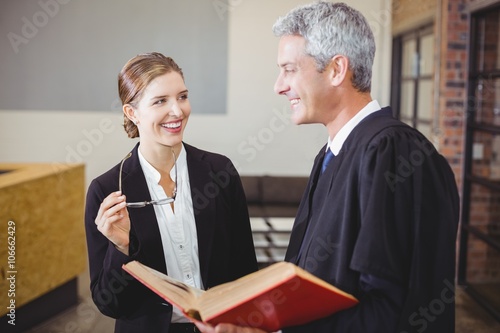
272 298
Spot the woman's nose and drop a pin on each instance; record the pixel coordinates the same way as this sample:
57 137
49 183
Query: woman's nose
175 109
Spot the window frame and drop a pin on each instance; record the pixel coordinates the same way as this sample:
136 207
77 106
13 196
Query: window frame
398 79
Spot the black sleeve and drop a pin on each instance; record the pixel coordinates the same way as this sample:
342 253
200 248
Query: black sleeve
381 300
114 292
409 205
243 257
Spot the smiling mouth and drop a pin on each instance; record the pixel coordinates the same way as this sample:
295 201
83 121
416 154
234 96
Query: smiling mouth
173 125
295 101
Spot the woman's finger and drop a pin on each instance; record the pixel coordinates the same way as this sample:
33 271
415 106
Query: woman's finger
111 205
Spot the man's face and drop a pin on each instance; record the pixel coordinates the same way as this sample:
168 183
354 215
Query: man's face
309 92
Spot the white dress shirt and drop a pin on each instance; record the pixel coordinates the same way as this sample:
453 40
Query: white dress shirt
177 228
338 141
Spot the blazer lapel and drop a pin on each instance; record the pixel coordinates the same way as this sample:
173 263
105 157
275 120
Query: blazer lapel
144 224
203 205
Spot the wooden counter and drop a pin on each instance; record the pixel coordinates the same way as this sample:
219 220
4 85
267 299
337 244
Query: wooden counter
41 225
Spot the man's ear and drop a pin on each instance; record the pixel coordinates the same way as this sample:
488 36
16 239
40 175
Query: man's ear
338 67
129 112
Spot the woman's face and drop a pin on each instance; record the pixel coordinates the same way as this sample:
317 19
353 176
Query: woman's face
163 111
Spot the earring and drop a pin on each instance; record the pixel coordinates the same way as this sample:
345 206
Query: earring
135 122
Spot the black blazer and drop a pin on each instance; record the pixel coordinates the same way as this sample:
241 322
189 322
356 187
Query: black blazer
225 244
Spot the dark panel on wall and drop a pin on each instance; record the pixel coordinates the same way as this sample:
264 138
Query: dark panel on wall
66 54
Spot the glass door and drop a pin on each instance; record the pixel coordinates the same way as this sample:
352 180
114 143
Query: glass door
479 255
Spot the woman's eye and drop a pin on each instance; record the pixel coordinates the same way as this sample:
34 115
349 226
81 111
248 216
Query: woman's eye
183 96
160 101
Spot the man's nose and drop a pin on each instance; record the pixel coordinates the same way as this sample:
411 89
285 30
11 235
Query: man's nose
280 86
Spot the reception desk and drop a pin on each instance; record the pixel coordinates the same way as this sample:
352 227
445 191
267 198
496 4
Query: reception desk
42 239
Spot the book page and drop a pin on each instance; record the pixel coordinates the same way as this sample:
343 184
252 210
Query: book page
179 294
229 294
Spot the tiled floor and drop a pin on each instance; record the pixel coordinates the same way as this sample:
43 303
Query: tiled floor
85 318
472 318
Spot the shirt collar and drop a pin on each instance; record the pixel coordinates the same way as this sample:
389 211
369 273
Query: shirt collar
338 141
152 174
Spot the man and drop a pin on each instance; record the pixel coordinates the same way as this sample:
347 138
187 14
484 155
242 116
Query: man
380 221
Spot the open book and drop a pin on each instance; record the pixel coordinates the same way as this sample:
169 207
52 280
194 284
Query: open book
272 298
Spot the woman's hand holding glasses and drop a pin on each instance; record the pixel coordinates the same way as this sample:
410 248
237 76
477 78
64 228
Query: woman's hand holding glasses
113 221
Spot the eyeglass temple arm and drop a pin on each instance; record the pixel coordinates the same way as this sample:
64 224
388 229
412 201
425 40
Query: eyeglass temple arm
130 154
121 167
175 166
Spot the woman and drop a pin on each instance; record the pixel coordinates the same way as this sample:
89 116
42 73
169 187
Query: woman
171 206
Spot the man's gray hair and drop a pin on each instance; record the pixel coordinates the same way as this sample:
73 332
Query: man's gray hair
333 29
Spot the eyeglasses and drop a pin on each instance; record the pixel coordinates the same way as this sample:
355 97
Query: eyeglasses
140 204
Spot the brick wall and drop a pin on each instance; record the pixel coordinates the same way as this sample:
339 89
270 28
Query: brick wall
452 28
482 261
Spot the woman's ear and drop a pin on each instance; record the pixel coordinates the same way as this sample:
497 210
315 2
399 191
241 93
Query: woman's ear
338 67
129 112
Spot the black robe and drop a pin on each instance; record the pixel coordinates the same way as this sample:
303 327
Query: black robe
386 211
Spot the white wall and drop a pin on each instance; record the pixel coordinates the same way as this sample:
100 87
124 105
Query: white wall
256 132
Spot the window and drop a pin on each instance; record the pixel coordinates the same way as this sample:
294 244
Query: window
413 78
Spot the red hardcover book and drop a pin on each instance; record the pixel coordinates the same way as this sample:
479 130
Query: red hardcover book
272 298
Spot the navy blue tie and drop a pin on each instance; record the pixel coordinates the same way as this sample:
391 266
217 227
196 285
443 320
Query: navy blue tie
327 159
